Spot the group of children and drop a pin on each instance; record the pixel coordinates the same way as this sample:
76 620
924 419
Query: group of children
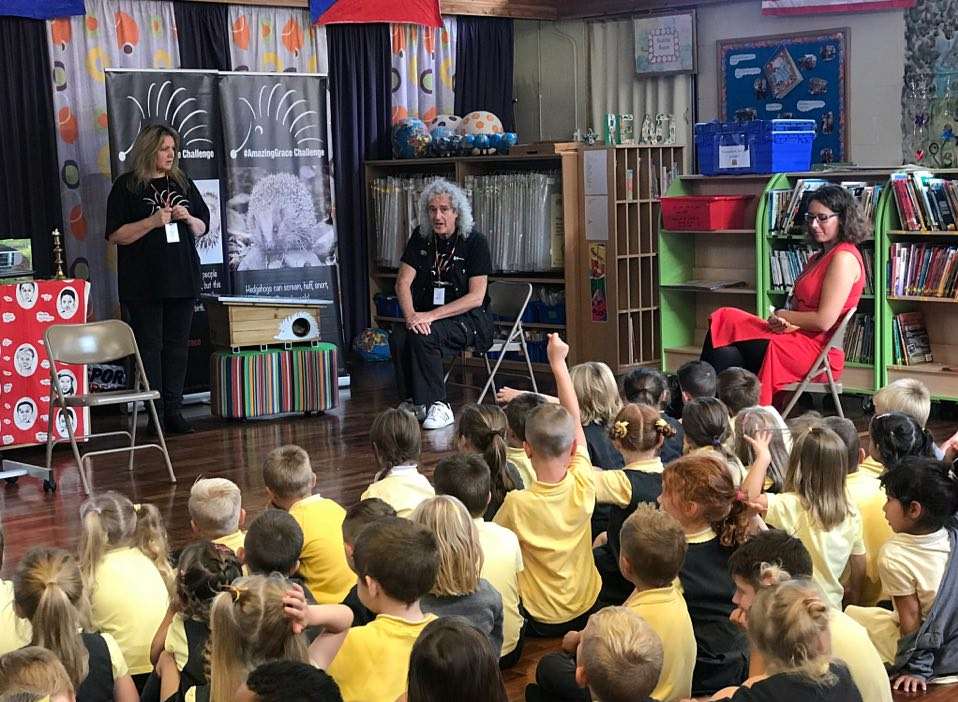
719 554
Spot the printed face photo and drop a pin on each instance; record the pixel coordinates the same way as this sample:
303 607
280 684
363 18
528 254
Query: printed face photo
27 295
67 303
24 413
25 360
61 421
67 383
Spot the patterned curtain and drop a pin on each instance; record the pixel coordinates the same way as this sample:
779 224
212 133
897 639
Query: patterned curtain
276 39
423 70
113 34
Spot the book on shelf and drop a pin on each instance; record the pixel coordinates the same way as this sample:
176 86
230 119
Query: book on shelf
787 264
860 339
790 215
787 208
911 343
706 284
922 270
925 202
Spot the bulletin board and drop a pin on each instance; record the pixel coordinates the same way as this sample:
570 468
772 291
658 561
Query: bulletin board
790 76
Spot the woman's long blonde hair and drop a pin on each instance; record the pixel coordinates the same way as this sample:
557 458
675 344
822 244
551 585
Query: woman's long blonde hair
597 393
48 590
143 156
248 627
460 553
817 470
110 521
754 419
788 624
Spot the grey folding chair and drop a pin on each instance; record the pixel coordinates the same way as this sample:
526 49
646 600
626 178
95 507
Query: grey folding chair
820 366
507 302
98 342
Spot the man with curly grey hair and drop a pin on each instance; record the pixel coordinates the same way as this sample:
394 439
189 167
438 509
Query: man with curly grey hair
442 291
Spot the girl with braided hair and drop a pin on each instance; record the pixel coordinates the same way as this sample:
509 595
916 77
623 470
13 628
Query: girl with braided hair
482 429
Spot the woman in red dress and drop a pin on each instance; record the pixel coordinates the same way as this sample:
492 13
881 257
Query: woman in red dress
782 348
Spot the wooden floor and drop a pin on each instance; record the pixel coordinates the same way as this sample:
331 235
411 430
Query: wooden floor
337 443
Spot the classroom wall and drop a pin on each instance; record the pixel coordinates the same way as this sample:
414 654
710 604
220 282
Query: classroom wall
876 60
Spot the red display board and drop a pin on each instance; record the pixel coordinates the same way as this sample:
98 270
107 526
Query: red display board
27 309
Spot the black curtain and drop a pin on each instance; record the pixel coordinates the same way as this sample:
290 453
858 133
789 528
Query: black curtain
30 196
359 79
202 31
484 56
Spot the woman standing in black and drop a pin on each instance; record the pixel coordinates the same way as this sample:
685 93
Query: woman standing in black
154 215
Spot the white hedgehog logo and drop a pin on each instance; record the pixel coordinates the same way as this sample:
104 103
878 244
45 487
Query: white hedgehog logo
281 229
283 108
154 108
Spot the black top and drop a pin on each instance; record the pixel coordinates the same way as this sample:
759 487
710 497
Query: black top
789 686
151 268
603 454
672 447
361 615
97 686
447 263
722 656
194 672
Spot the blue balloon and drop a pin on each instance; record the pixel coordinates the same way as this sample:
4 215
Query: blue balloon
481 141
510 138
495 140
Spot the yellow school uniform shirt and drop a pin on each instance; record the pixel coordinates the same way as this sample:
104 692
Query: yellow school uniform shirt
176 643
322 562
373 662
129 601
870 465
613 486
553 524
501 565
232 541
866 492
665 611
403 489
851 645
830 550
14 631
518 458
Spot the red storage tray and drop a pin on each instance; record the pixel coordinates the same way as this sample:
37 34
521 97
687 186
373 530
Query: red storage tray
704 212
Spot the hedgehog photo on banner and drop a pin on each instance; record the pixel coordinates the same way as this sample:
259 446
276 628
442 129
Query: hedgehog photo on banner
280 235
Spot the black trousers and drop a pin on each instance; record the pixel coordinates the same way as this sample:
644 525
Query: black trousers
417 358
555 680
162 331
543 630
748 354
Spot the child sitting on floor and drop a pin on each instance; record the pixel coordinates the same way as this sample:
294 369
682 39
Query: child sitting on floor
740 389
288 681
894 436
517 410
397 444
482 429
647 386
708 427
909 396
35 674
747 423
358 517
122 544
919 639
216 511
14 630
289 481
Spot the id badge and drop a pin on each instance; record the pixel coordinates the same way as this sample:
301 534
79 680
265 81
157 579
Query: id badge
439 296
172 233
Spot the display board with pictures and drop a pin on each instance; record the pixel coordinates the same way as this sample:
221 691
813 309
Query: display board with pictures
27 310
789 76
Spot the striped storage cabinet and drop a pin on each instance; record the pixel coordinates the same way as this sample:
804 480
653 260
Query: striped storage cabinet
261 383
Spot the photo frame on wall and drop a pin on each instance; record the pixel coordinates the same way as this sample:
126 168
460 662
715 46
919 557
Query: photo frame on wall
790 76
664 44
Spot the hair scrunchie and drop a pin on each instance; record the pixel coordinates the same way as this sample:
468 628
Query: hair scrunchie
620 429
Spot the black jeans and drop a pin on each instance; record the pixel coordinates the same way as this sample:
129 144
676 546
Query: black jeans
748 354
162 331
418 357
555 680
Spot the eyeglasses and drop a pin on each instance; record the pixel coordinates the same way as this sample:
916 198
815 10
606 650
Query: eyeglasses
821 217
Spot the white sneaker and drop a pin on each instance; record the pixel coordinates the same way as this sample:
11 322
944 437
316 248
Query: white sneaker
439 416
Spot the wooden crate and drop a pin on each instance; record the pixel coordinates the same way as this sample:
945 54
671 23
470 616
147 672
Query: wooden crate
245 322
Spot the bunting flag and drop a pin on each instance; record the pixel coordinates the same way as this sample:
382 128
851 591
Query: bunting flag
820 7
45 10
425 12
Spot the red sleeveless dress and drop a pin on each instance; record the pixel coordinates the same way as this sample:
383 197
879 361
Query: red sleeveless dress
789 355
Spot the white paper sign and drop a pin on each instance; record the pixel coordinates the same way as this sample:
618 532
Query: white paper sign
736 156
597 217
595 166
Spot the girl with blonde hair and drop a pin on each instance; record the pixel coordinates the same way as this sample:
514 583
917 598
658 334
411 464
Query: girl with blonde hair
814 507
748 422
48 591
788 624
482 429
121 544
459 590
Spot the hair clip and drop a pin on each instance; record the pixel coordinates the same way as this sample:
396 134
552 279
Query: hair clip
620 429
235 591
716 443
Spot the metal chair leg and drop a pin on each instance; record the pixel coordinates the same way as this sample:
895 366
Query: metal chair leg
525 354
159 433
136 410
798 393
835 397
81 466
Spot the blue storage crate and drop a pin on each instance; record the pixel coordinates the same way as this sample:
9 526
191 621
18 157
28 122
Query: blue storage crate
387 305
552 314
758 146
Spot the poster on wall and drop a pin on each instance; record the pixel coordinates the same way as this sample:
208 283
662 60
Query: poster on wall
790 76
280 238
188 102
664 44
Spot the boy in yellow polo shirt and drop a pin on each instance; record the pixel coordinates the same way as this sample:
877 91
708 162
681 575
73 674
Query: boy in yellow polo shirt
653 548
216 512
517 411
397 562
773 556
289 481
552 517
908 396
